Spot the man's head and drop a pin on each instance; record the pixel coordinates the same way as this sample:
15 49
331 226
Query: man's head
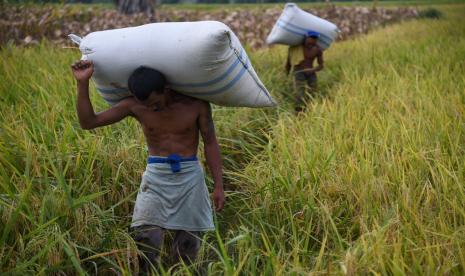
145 83
311 38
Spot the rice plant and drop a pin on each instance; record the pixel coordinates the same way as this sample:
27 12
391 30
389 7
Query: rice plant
369 179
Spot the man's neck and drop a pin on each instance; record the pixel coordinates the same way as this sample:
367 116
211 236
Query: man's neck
159 106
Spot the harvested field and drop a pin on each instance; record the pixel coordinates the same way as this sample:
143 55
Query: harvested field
28 25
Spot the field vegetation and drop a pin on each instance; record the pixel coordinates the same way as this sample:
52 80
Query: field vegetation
368 180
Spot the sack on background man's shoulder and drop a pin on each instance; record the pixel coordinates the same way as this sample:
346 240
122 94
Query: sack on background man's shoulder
294 24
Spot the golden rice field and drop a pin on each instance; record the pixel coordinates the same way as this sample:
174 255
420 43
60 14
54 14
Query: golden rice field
370 179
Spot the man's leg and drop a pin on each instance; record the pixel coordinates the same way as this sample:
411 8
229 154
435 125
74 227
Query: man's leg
149 240
312 84
186 246
300 87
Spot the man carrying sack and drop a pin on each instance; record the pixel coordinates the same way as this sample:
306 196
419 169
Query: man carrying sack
173 195
300 61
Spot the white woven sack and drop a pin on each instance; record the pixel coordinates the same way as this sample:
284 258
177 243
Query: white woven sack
294 23
201 59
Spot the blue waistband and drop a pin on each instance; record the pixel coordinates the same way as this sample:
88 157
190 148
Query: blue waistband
173 159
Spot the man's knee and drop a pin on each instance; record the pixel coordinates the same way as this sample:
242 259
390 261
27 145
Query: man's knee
186 246
312 82
149 240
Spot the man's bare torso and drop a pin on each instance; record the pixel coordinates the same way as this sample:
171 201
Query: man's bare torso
310 55
172 129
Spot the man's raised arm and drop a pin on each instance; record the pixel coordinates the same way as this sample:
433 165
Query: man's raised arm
82 71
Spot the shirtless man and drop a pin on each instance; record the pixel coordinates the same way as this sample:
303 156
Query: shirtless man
173 194
300 61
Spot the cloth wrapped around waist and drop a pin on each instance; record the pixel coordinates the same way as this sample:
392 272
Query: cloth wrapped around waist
173 200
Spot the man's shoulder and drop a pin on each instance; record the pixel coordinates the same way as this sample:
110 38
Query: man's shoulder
188 100
129 102
199 105
296 49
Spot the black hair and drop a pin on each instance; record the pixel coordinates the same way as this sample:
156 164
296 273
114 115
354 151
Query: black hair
305 39
145 80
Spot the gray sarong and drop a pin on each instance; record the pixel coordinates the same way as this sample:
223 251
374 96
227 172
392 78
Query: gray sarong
176 201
